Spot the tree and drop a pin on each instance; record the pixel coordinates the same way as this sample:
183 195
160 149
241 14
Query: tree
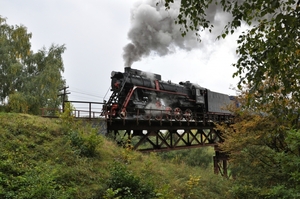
263 143
14 48
264 154
29 81
44 78
270 46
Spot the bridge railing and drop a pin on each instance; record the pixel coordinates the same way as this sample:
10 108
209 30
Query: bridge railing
82 109
54 113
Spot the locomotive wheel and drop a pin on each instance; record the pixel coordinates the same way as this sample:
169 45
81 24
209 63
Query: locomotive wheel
168 113
157 113
147 116
158 117
188 114
177 114
123 114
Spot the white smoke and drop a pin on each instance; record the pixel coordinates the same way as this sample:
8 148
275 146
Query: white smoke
153 30
149 75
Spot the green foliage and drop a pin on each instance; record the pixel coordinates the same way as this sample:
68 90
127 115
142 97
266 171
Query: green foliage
259 143
127 185
22 175
83 138
111 194
28 81
192 184
14 47
194 157
289 166
268 51
264 156
67 117
44 78
85 144
2 108
165 192
271 60
18 103
37 160
192 16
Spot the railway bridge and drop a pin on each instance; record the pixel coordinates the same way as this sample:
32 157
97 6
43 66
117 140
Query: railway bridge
152 135
157 134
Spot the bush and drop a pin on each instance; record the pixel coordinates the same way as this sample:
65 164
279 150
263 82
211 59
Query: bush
125 185
84 138
85 144
193 157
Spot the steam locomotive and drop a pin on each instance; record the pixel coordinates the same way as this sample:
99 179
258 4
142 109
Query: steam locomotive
144 95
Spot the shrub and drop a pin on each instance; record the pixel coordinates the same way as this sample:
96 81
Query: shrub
127 186
84 143
84 138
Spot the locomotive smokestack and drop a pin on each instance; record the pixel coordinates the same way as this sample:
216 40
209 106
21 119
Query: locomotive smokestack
153 30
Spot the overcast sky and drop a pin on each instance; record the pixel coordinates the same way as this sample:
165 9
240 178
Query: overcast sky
95 33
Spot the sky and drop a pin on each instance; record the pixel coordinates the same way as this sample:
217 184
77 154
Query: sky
100 36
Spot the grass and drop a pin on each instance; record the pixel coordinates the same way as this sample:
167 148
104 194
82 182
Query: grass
40 159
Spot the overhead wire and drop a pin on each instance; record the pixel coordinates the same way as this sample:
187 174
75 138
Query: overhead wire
86 94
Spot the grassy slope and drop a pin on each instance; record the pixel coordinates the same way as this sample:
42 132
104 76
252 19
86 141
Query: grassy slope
38 161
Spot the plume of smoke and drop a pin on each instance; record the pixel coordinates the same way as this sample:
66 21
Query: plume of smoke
149 75
153 29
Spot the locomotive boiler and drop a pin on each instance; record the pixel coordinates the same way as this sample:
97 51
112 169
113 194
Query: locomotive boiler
144 95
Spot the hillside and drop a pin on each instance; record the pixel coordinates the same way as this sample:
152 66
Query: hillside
59 158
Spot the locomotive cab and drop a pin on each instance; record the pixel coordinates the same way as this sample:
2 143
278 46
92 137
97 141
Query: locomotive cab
199 96
198 93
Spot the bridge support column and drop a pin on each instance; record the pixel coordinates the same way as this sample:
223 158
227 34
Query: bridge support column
220 162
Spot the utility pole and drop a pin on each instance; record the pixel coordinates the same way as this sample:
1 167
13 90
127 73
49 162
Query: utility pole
63 95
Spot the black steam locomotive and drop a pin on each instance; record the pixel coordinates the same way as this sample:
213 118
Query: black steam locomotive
139 94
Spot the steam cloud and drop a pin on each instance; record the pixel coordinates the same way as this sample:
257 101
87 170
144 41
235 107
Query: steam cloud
153 29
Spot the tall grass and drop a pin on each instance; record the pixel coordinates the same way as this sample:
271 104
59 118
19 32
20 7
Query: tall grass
45 158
